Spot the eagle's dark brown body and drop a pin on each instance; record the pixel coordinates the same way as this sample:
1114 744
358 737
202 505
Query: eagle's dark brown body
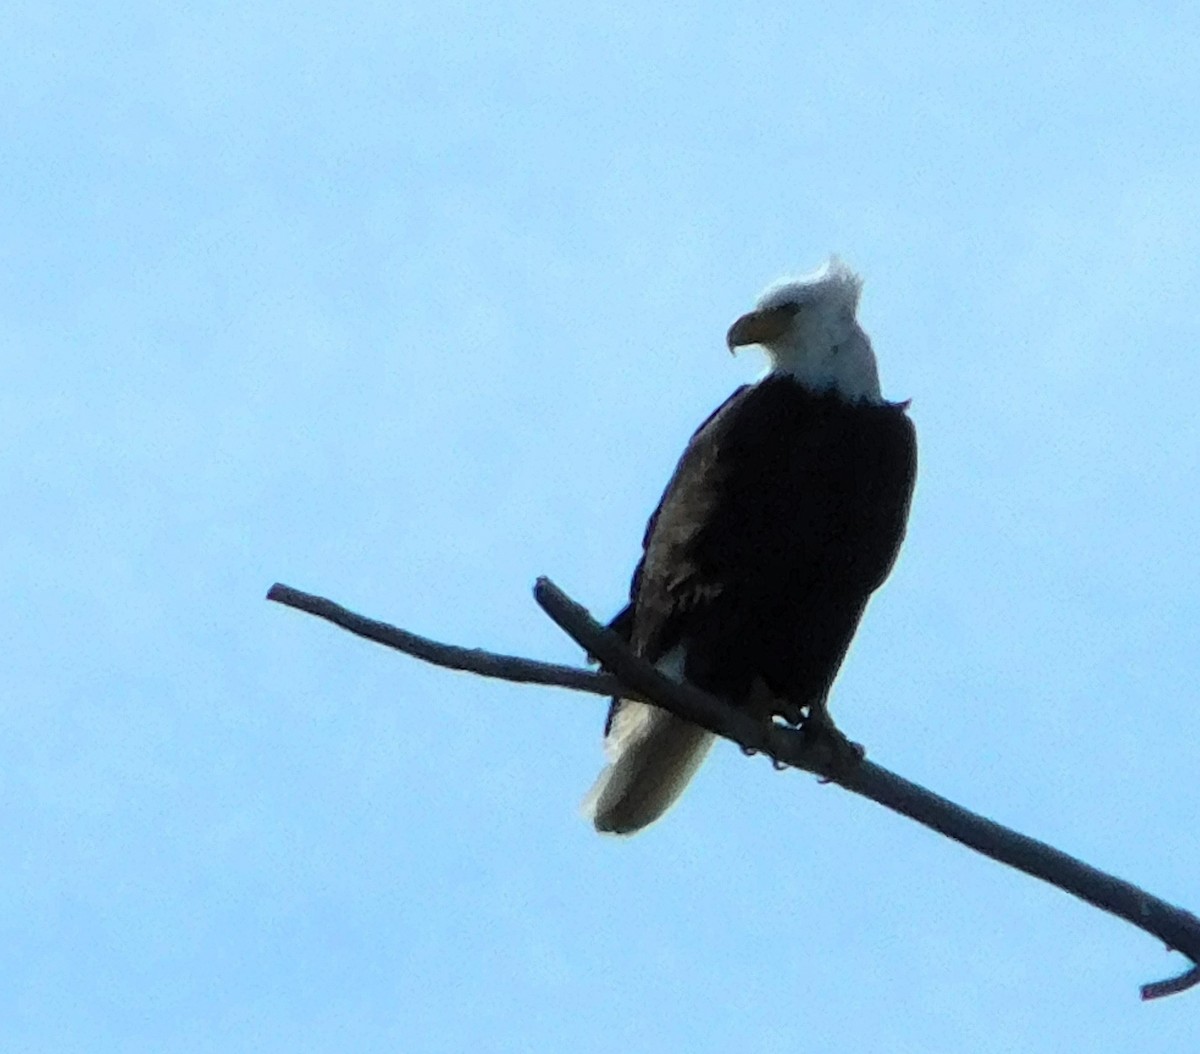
785 512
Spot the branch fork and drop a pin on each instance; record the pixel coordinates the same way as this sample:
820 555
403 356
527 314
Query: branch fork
632 677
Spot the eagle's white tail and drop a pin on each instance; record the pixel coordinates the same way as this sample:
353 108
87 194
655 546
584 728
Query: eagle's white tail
652 756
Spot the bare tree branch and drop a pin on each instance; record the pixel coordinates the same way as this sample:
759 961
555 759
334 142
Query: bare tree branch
450 656
1187 979
633 677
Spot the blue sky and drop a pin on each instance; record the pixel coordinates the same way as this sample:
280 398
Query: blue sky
409 304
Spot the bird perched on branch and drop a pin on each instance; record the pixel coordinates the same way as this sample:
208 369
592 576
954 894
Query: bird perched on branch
784 514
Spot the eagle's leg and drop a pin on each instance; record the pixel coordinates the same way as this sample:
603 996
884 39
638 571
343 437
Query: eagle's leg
761 704
764 705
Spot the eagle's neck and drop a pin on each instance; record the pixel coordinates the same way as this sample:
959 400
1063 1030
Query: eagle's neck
844 366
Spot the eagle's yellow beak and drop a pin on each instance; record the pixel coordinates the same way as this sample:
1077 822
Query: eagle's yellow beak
759 327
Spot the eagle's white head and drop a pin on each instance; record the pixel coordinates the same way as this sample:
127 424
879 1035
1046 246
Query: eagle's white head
808 328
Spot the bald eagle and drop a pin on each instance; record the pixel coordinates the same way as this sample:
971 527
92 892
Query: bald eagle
784 514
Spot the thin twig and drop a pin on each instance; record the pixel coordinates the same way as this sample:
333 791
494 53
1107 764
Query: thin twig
1157 989
634 677
449 656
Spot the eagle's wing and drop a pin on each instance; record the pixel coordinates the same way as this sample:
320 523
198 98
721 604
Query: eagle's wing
700 448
